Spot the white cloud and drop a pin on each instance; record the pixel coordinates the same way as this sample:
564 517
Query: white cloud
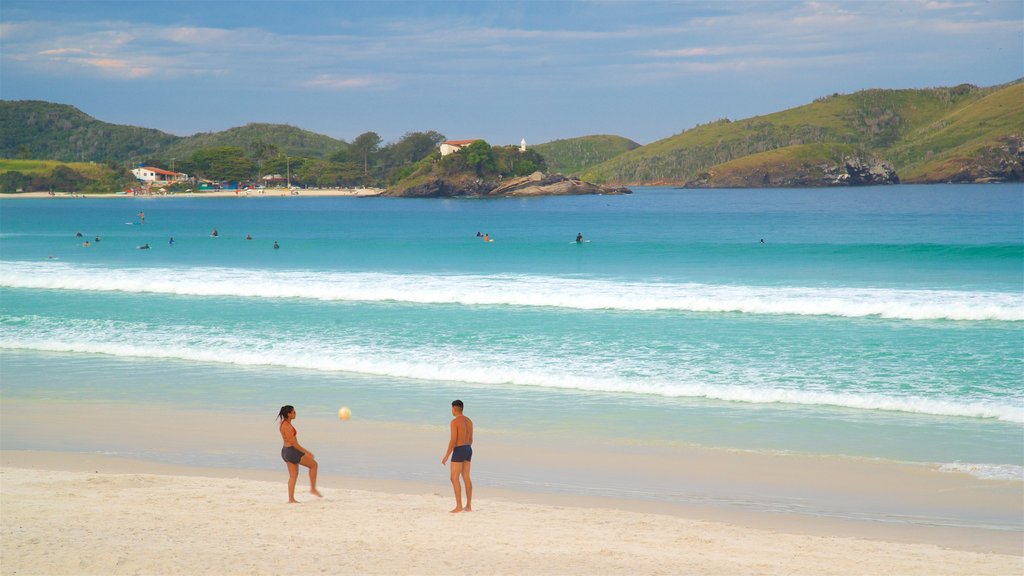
335 82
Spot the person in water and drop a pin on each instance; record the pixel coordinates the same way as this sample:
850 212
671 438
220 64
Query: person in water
579 237
460 449
276 246
248 236
142 217
214 233
171 241
294 454
144 247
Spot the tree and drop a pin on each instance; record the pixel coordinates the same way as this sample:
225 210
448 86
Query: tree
480 157
13 181
412 147
364 146
222 163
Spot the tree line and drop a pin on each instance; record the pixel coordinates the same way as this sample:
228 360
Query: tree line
366 161
363 162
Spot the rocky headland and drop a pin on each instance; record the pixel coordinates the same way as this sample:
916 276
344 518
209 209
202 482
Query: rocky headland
850 171
536 184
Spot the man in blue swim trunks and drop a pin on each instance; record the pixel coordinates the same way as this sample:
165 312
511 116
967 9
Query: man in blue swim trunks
460 450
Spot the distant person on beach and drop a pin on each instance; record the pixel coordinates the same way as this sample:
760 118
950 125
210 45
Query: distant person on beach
579 237
460 448
294 454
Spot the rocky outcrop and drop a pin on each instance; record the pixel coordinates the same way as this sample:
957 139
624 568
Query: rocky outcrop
850 171
539 184
858 172
536 184
1003 163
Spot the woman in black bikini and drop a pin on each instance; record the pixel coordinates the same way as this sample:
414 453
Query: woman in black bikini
294 454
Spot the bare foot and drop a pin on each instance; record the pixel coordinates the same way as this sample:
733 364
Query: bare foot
467 509
315 493
293 501
455 510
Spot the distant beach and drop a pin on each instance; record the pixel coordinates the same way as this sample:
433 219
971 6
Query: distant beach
297 192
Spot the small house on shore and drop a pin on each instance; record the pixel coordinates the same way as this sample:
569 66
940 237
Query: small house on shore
151 174
453 146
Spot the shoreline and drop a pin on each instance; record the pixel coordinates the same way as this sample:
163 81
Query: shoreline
96 514
793 494
307 192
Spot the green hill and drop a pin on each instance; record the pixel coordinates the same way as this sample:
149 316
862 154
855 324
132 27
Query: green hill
572 156
926 135
289 139
60 132
44 130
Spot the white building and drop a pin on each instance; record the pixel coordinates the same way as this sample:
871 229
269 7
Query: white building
150 174
453 146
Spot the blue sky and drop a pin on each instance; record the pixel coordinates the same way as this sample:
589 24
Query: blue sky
502 71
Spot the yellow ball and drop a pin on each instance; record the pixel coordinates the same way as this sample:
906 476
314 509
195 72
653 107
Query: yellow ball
344 413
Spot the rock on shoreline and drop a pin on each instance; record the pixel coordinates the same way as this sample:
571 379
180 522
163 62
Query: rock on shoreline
851 171
536 184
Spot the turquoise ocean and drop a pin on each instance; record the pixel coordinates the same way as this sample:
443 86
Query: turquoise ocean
883 323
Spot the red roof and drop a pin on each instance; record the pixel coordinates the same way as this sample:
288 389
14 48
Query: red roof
160 171
460 142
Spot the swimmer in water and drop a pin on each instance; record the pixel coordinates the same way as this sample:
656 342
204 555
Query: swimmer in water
276 247
579 238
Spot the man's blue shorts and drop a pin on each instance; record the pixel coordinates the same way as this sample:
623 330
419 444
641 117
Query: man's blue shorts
462 453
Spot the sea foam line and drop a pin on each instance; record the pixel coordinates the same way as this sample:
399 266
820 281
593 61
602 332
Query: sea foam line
485 370
518 290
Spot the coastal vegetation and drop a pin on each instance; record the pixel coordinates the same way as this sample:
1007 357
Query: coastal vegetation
573 156
475 170
51 175
959 134
964 133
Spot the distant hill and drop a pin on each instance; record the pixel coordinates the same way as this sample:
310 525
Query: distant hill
60 132
50 131
572 156
964 133
288 139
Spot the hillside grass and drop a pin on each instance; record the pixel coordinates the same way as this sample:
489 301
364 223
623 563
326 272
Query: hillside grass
886 123
38 167
572 156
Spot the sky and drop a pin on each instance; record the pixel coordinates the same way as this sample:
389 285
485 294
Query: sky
501 71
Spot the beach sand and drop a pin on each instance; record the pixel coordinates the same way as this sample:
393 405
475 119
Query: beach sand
271 193
83 514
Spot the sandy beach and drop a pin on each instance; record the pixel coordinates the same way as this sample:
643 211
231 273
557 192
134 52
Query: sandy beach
272 193
96 515
91 513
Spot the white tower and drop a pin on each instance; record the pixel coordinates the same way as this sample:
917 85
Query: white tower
522 145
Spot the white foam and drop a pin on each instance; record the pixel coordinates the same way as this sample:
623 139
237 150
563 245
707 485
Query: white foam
986 471
522 290
450 364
